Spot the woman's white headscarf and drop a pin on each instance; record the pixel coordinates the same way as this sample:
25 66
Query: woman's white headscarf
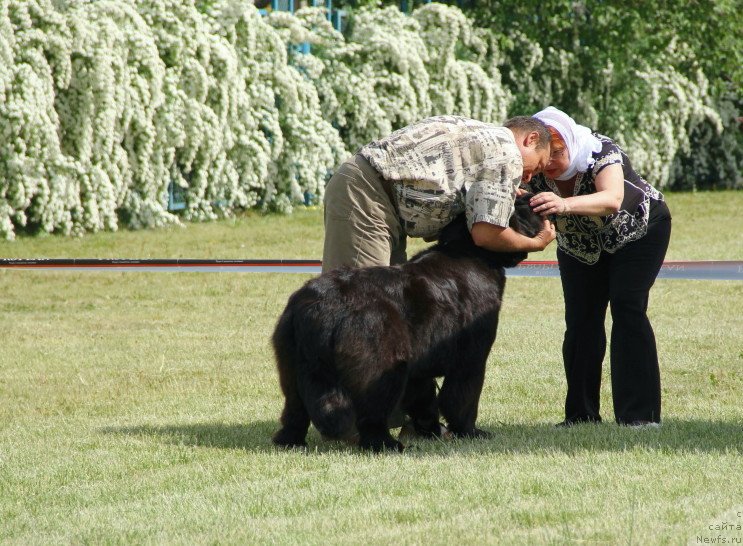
581 144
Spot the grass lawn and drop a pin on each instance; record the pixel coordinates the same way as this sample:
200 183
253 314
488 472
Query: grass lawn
138 408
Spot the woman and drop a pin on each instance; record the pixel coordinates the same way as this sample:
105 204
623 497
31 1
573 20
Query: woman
613 230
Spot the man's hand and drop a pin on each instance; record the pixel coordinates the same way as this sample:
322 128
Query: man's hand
501 239
545 236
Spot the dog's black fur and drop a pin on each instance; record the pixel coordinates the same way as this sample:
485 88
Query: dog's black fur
353 343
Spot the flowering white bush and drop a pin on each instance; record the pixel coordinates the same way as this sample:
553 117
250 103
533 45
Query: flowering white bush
106 105
462 80
392 69
655 115
345 86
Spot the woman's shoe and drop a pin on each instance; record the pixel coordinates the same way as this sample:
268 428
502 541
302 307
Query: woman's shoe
572 422
641 424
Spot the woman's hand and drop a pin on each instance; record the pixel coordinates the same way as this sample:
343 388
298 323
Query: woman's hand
548 203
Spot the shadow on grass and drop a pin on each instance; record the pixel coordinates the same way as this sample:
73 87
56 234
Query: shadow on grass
254 436
674 436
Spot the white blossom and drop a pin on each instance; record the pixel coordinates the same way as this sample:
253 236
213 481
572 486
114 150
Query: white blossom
104 104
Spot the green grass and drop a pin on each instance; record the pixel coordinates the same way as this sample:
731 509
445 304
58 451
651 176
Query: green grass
138 407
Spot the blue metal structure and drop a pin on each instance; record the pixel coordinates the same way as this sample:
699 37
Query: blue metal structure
282 5
176 197
337 17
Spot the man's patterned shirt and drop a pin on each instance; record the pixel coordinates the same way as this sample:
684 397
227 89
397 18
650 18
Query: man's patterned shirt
445 165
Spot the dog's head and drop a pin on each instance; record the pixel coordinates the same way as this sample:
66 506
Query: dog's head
524 220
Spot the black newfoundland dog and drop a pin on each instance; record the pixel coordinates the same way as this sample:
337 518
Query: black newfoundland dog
353 344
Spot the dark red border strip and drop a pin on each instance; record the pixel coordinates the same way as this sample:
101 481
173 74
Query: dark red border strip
50 263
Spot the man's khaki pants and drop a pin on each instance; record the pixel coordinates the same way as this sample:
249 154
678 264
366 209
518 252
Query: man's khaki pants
361 224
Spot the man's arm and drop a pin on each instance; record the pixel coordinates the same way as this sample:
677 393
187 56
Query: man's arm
500 239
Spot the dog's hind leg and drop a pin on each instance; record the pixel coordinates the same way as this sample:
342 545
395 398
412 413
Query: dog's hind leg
294 418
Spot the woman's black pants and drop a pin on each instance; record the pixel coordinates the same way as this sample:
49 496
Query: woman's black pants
622 279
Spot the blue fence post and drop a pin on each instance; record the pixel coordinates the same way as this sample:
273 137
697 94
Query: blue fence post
328 6
176 197
277 5
282 5
337 19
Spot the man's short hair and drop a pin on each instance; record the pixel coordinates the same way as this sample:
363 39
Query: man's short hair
528 124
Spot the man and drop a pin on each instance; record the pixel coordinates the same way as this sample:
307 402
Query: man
419 178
